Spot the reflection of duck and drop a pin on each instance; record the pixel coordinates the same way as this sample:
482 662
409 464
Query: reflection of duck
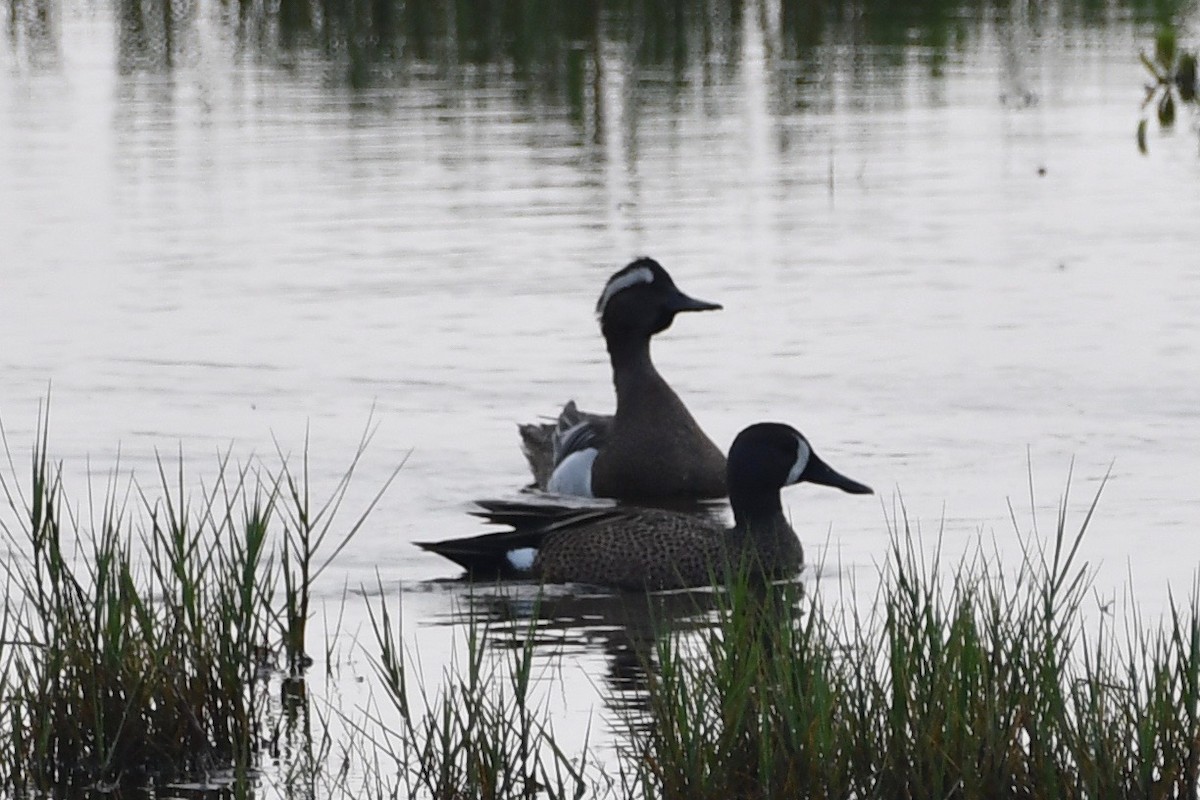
646 548
624 627
651 449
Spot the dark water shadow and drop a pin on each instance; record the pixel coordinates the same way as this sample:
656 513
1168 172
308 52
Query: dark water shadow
625 628
556 54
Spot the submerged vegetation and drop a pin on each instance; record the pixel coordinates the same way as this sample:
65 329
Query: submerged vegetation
140 638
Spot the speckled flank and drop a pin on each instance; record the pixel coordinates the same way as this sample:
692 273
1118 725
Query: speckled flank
657 549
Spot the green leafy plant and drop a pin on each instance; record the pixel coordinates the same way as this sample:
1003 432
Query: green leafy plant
1174 74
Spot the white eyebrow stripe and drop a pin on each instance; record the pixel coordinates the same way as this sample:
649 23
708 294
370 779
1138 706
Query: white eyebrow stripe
639 275
803 452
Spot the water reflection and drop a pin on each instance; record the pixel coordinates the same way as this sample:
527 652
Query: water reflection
33 32
625 628
598 65
557 52
148 33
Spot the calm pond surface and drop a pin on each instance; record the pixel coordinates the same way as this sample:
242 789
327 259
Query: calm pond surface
940 253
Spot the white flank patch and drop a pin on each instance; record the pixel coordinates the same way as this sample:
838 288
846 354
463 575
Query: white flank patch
803 452
522 558
622 282
574 475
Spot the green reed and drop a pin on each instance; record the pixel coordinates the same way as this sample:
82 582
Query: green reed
137 640
959 681
138 637
481 733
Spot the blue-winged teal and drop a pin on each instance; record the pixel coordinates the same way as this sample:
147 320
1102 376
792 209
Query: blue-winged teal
647 548
652 449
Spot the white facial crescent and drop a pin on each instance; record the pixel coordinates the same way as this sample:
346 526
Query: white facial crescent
803 453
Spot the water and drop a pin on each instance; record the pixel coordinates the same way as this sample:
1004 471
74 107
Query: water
940 253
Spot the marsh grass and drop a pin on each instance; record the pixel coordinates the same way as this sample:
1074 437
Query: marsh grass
482 732
956 681
958 678
138 639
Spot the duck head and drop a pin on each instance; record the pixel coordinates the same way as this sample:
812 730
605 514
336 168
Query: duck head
642 300
767 456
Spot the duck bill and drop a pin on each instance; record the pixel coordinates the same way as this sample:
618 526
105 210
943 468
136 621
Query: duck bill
681 302
820 472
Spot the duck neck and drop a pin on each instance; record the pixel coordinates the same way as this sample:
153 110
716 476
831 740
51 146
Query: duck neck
756 510
631 364
764 536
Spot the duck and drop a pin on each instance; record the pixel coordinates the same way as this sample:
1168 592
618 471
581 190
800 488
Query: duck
651 450
645 548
